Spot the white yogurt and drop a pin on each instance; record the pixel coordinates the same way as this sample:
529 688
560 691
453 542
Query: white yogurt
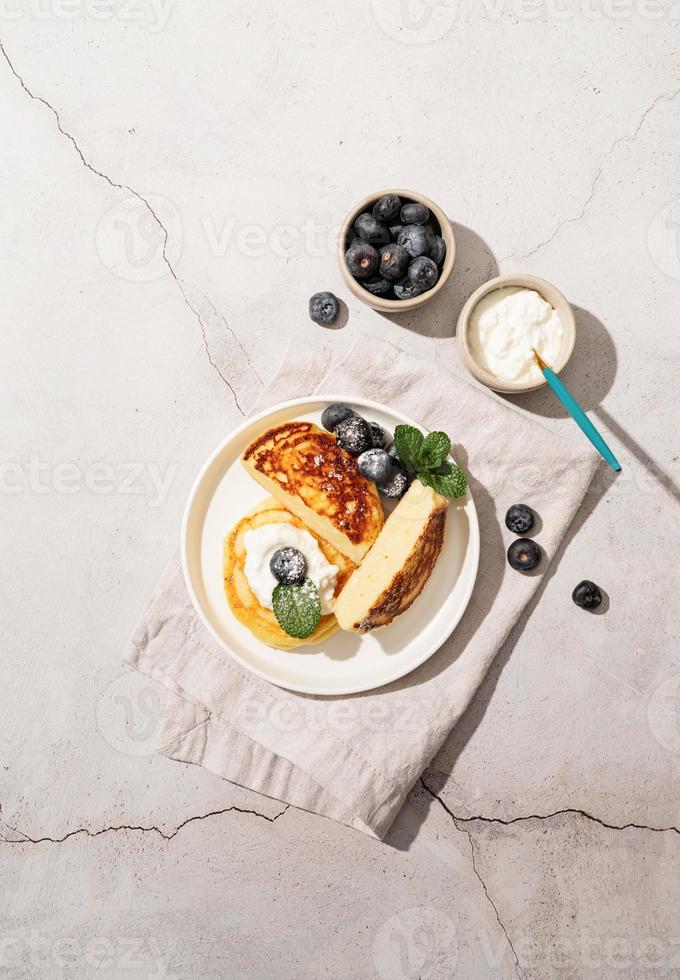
505 325
260 545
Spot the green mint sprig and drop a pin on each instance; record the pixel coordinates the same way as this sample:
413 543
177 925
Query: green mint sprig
425 457
297 608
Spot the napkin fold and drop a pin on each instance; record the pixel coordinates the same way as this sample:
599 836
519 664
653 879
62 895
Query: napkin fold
355 758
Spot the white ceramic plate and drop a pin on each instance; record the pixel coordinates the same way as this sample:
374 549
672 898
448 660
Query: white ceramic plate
345 663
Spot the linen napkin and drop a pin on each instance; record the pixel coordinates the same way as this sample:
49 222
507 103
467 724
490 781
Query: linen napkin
355 758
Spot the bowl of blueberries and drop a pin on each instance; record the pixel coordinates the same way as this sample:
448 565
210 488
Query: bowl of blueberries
397 250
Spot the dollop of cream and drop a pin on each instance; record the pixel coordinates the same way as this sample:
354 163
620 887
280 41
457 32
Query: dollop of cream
505 325
260 545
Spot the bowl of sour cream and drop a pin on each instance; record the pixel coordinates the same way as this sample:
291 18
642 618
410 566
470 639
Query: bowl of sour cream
504 321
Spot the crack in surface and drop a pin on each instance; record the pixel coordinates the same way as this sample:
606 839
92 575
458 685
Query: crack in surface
599 173
139 197
228 328
25 839
468 834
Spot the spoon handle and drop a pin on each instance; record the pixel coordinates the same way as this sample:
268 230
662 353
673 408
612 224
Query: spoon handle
580 417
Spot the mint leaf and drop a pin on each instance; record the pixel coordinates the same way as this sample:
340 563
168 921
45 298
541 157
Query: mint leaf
297 608
449 480
408 442
435 449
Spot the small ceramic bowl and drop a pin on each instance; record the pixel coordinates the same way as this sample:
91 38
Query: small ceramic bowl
551 295
444 229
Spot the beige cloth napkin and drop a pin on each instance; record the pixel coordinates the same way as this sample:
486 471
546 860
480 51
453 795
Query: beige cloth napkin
355 758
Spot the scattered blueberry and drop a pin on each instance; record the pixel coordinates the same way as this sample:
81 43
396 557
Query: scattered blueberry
377 435
407 289
289 566
377 285
587 595
394 232
324 308
387 208
334 414
362 260
524 554
519 519
423 272
376 465
371 230
354 435
415 214
414 239
437 249
397 485
394 261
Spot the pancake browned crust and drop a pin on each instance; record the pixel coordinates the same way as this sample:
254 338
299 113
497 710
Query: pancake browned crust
394 572
260 621
303 467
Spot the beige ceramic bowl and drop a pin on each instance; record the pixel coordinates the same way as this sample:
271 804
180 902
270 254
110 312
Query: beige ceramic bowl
551 295
397 305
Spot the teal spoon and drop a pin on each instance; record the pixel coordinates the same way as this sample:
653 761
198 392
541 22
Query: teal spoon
577 413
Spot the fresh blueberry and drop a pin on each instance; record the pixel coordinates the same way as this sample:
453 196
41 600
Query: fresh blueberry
354 435
415 214
394 260
362 260
324 308
377 286
437 249
289 566
519 519
414 239
334 414
387 208
376 465
587 595
397 485
392 452
377 435
423 272
371 230
407 289
524 554
394 232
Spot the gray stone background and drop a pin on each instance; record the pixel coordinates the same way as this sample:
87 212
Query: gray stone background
172 177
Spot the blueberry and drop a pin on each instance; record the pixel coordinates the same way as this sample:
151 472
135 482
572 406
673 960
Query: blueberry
423 272
414 239
371 230
377 435
394 260
524 554
394 232
377 285
397 485
519 519
392 452
334 414
376 465
289 566
354 435
407 289
587 595
437 249
415 214
362 260
387 208
324 308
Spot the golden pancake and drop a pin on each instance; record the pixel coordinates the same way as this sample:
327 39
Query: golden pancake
305 469
260 621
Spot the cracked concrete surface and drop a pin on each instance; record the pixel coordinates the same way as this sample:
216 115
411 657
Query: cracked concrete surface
542 840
